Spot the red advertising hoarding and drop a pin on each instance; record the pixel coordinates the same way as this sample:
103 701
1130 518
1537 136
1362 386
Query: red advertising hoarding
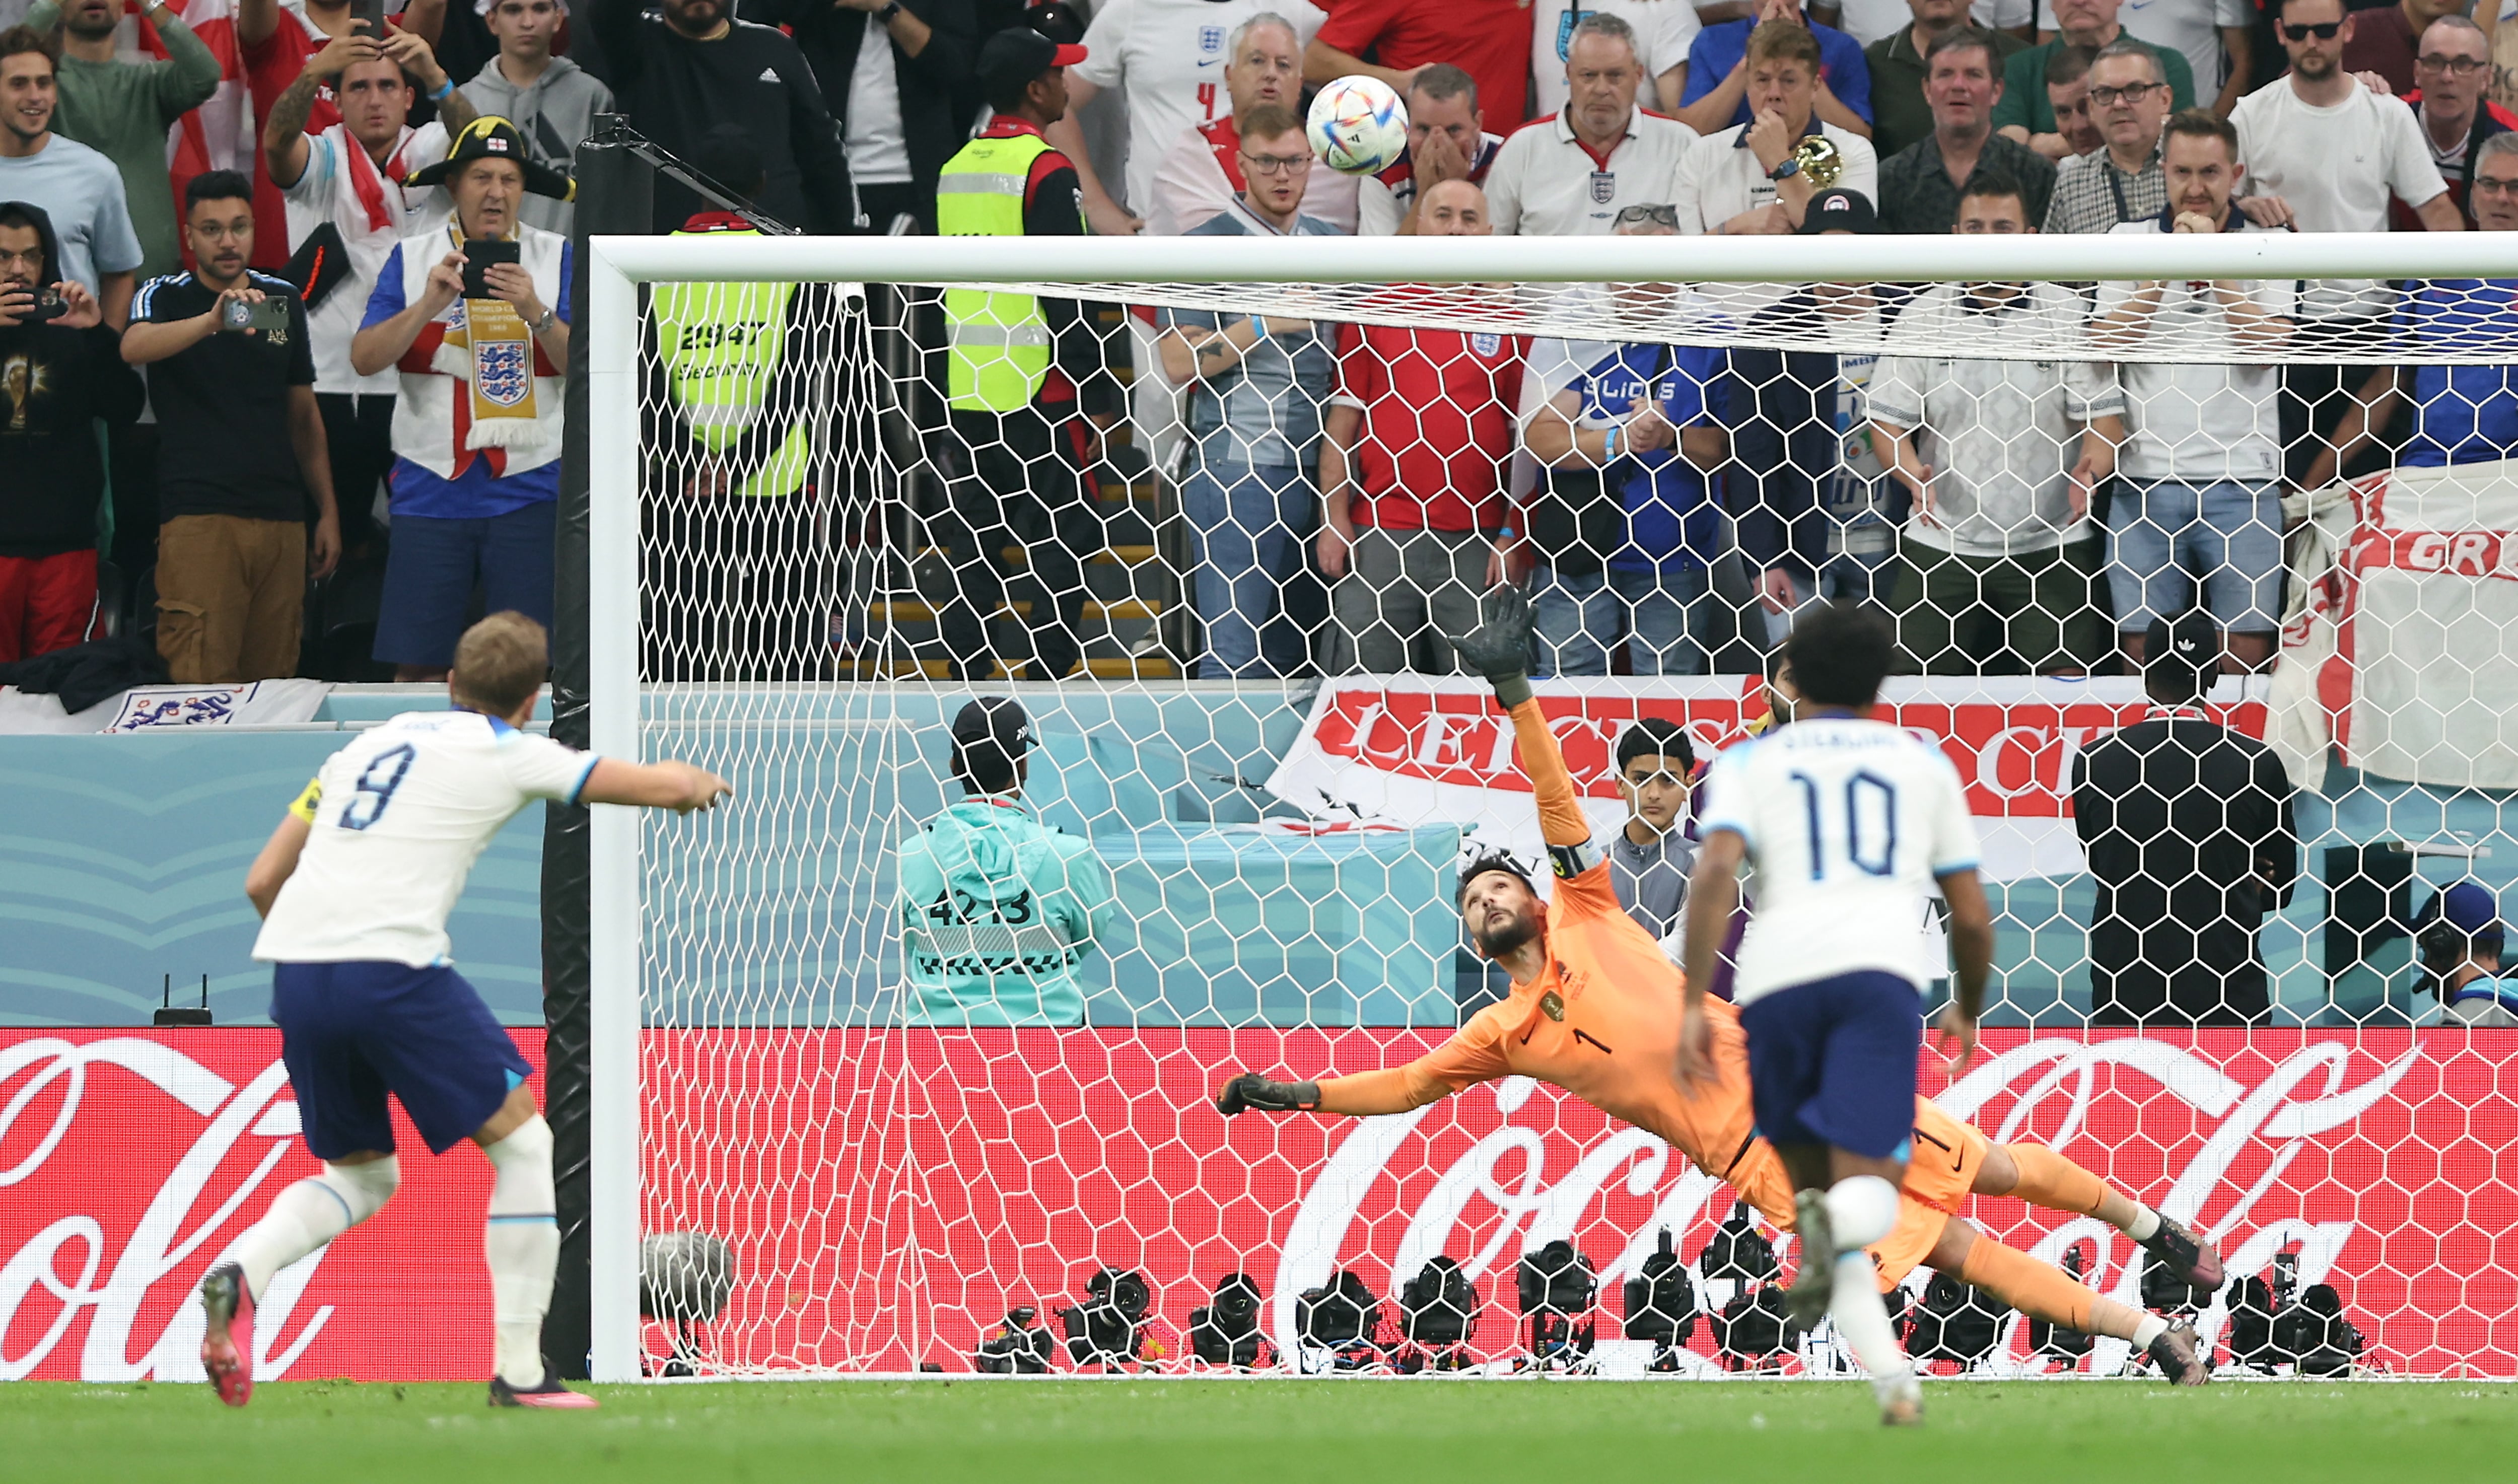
889 1195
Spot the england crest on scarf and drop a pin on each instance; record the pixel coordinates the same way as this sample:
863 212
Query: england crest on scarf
505 372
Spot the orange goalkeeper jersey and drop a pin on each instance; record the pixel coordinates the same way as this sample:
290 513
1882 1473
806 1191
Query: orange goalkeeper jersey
1601 1022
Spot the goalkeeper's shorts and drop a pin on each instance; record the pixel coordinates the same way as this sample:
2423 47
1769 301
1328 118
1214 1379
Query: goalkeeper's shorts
353 1032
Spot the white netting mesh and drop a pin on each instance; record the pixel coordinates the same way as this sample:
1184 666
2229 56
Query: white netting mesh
916 1078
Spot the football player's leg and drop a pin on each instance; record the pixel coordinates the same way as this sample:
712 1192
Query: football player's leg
2040 1176
521 1240
2041 1290
341 1112
459 1076
1832 1076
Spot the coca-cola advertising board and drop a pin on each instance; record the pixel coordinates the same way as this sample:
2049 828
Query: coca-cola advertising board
889 1195
1435 749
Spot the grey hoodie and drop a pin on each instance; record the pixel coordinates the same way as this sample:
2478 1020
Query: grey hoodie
555 115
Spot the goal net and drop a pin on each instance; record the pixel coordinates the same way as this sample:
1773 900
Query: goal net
879 1064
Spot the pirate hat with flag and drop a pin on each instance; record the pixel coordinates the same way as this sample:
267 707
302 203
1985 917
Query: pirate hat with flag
491 137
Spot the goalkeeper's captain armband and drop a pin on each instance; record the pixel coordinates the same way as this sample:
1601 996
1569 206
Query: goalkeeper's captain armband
1253 1091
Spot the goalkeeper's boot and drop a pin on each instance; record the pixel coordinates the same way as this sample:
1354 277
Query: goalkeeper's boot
1901 1403
1813 1286
550 1395
2188 1259
227 1340
2179 1354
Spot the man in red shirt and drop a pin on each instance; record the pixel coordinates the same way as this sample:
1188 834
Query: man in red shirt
1488 39
1414 459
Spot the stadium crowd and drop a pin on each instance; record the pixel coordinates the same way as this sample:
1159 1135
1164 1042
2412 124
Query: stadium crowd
317 436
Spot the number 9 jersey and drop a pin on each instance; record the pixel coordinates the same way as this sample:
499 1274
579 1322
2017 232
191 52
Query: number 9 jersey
398 818
1848 824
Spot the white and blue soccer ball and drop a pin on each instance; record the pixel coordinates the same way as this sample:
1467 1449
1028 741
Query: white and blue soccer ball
1358 125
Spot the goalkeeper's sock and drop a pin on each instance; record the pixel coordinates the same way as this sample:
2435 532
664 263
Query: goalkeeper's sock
2049 1180
312 1212
522 1244
1862 1321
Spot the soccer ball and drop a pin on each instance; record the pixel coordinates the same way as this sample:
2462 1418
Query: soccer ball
1358 125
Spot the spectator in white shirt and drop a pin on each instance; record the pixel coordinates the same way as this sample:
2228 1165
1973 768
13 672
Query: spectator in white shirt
2325 153
347 182
2195 520
1200 175
1748 180
1166 57
1447 140
1568 176
2000 457
1664 29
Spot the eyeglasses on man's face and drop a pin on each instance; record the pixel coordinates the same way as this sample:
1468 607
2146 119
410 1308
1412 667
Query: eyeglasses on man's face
1275 164
2322 30
2105 96
2463 66
2496 185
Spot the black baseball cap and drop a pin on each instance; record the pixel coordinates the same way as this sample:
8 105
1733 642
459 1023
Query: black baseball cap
1057 20
990 735
1656 737
2179 655
1018 54
1839 210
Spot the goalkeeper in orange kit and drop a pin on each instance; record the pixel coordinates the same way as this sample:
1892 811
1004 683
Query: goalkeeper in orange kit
1594 1010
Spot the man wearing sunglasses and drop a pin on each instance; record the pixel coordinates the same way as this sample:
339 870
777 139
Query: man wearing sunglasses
2454 69
2325 153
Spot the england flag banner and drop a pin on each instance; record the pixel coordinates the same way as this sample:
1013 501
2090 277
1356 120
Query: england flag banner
1434 749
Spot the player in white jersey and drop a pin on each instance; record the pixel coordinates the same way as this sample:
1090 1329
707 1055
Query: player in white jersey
1850 823
354 888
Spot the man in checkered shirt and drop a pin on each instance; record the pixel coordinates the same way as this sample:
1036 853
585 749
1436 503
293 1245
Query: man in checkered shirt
2130 100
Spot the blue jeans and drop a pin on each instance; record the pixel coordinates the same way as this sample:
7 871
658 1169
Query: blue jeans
2172 546
1579 617
1247 521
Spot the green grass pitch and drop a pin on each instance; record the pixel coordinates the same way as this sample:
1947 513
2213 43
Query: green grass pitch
1268 1432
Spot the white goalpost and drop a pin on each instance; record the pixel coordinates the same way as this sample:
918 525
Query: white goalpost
887 1181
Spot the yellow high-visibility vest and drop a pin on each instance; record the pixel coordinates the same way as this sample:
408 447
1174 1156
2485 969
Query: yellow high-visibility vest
997 344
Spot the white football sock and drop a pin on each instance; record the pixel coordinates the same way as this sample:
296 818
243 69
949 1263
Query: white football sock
2151 1327
2145 1224
1862 1320
522 1244
1860 1211
310 1213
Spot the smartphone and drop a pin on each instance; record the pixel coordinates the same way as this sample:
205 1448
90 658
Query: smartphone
373 11
49 305
478 256
268 315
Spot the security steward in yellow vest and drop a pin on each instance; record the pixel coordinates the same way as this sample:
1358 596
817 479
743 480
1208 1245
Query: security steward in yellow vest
1026 384
740 384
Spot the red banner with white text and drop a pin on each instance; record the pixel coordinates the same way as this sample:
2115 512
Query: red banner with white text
886 1196
1431 749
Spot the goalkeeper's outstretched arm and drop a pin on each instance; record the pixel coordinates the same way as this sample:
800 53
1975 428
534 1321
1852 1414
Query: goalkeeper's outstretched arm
1500 650
1473 1054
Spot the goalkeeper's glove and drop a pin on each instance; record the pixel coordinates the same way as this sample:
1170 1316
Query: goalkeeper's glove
1499 648
1253 1091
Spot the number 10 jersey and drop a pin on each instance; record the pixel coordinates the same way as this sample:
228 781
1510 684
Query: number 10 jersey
398 819
1848 824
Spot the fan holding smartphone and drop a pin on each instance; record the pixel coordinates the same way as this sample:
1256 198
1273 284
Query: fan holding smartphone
469 315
